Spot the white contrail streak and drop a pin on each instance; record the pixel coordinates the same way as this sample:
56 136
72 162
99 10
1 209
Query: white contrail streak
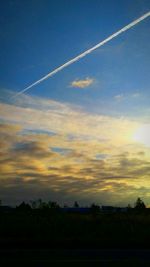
114 35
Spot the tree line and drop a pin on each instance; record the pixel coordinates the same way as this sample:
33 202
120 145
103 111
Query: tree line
42 205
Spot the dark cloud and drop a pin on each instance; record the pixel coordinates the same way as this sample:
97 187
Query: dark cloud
30 169
32 149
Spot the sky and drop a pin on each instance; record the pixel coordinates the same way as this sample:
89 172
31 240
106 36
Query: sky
83 134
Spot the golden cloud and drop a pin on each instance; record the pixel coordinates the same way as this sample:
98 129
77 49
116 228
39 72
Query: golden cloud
71 152
82 83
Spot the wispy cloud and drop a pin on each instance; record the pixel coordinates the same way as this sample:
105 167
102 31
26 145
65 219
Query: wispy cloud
66 119
136 95
82 83
119 97
126 96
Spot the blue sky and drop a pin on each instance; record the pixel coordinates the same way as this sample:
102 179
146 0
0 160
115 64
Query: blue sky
38 36
86 128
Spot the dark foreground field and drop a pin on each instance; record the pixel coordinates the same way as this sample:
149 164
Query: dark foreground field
69 257
50 238
55 229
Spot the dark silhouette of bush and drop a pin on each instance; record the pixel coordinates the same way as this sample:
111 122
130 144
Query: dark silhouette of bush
42 205
53 205
95 209
76 205
23 207
139 205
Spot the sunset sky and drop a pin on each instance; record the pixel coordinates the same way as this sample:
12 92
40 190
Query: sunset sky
83 134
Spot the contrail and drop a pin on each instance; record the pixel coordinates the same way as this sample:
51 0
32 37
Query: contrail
114 35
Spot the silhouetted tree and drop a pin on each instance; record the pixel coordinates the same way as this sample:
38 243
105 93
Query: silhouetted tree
33 204
76 205
23 207
53 205
42 205
139 204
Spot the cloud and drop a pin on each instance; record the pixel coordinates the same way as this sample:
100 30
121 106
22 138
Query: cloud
90 157
136 95
82 83
31 149
66 119
30 163
119 97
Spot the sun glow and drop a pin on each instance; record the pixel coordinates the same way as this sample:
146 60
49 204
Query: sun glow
142 135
